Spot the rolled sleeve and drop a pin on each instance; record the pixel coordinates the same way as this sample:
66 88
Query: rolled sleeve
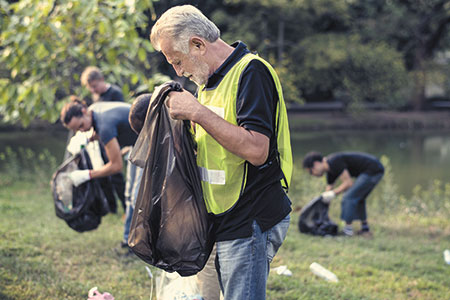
256 99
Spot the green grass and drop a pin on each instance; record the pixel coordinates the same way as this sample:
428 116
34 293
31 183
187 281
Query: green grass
42 258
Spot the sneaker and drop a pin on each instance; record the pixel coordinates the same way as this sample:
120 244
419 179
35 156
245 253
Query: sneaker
347 231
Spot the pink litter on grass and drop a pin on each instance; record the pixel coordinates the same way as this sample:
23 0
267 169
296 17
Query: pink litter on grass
94 294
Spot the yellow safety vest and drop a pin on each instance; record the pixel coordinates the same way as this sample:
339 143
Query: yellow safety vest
223 174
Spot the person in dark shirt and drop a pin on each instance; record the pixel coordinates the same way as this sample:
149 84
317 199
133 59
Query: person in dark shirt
207 278
367 171
110 123
92 78
243 146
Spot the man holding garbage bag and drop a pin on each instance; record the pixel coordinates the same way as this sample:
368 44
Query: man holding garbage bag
110 123
367 170
206 279
243 147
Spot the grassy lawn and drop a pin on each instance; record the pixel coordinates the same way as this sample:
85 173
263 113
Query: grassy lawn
42 258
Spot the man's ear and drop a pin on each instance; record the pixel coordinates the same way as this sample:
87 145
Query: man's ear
197 44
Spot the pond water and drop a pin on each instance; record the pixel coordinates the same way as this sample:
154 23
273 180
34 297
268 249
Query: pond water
417 157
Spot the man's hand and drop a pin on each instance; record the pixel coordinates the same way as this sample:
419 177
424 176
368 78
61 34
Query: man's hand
328 196
182 105
79 176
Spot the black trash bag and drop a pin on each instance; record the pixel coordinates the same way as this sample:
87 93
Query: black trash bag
170 228
81 207
314 219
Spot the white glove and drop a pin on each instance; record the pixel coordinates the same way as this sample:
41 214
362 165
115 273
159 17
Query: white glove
79 176
78 140
328 196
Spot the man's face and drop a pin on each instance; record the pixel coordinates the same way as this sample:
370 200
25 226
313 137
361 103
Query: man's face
188 65
96 86
83 123
317 169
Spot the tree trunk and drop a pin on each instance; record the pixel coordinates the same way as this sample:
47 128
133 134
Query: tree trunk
418 97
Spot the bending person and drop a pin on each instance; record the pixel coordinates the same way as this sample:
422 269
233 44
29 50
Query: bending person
93 79
367 170
110 123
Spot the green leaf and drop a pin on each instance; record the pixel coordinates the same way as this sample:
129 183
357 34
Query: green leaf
142 54
134 79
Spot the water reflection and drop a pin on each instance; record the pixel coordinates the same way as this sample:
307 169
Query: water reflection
416 157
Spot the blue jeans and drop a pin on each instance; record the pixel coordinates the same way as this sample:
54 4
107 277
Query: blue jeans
243 264
134 175
353 206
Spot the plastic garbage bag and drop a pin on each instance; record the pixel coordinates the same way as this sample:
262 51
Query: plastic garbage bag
314 219
81 207
172 286
78 141
171 228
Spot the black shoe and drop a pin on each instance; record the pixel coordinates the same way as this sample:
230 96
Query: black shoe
123 245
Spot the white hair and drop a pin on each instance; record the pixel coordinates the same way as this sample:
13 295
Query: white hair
179 24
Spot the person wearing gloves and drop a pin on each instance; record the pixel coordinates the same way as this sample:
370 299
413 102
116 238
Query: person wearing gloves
109 121
367 171
93 79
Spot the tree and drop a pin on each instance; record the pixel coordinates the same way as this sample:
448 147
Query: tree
46 44
317 50
417 29
315 43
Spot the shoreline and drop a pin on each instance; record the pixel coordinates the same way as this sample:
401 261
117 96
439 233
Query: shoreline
370 120
321 121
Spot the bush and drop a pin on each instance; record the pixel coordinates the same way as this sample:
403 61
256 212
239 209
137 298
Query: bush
341 66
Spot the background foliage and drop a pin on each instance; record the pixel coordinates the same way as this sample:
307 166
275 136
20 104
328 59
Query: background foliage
47 44
356 51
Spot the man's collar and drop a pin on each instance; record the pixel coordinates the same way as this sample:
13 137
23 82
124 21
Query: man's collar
239 51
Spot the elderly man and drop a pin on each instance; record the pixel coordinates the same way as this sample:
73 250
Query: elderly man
243 146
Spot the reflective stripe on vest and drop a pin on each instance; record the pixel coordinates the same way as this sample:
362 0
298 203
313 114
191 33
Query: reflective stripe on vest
223 173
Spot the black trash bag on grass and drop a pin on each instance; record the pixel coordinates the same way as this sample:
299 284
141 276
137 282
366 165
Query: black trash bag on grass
171 228
314 219
81 207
